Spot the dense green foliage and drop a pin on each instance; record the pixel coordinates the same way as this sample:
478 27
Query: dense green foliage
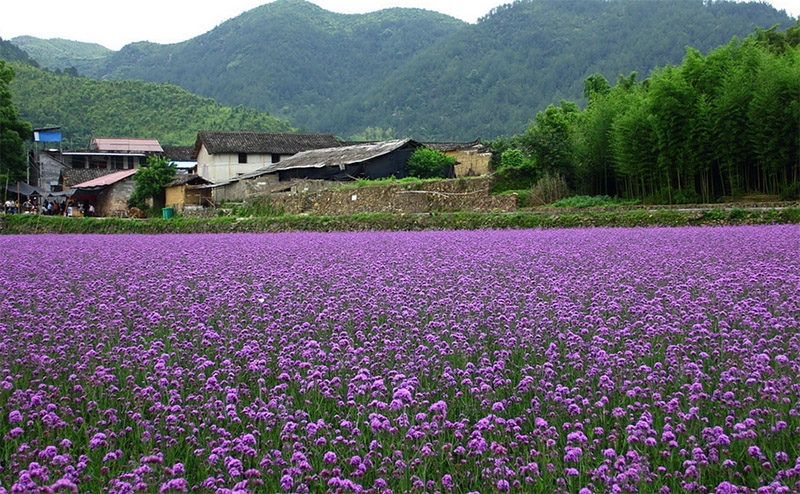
150 181
415 73
28 223
581 202
62 55
430 163
10 52
721 125
86 108
13 133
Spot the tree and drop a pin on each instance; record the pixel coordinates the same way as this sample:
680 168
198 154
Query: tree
430 163
550 140
150 180
13 132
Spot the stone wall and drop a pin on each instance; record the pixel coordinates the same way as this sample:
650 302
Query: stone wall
114 200
472 194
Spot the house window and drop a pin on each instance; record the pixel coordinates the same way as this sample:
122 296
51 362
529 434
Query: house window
276 158
242 157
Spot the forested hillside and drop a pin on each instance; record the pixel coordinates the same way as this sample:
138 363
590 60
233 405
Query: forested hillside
62 55
415 73
86 108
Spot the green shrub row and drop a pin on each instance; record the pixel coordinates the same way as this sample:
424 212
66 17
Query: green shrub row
29 224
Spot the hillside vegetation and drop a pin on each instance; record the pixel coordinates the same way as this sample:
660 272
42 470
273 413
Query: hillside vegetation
416 73
86 108
62 55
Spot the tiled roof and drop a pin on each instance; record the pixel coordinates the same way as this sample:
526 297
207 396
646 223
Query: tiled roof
453 146
72 176
179 153
104 180
188 179
263 142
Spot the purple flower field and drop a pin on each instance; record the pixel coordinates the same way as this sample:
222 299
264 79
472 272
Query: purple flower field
574 361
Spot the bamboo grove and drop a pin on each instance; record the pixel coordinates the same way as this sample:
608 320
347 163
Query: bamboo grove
725 124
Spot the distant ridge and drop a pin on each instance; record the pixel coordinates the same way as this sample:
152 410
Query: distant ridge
416 73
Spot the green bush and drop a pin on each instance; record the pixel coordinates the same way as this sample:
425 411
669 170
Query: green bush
592 202
791 192
430 163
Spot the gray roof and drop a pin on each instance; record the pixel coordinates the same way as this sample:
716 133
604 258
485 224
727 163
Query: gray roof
318 158
344 155
188 179
179 153
72 176
453 146
263 142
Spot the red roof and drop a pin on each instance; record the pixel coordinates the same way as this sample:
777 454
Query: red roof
109 179
128 145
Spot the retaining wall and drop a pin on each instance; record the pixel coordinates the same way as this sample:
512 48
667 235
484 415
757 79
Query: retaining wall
463 194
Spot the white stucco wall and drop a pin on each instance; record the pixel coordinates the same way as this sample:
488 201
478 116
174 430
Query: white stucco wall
224 166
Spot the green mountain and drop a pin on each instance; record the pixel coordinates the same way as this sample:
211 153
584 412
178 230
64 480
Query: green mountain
10 52
62 54
416 73
86 108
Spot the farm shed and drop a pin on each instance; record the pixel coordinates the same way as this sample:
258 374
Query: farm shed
222 156
367 160
109 193
187 190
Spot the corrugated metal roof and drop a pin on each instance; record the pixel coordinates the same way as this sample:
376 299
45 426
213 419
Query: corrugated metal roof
126 144
341 156
263 142
109 179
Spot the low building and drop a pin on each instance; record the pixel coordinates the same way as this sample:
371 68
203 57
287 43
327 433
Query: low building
367 160
108 194
187 191
342 163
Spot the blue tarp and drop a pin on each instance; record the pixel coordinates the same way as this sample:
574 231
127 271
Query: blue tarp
47 136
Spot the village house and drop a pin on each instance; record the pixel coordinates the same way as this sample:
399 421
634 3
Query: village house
222 156
113 153
107 194
343 163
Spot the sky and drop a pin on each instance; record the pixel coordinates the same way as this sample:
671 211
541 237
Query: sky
114 25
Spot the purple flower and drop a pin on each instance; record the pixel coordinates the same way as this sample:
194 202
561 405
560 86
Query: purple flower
447 481
439 406
97 441
14 417
287 482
